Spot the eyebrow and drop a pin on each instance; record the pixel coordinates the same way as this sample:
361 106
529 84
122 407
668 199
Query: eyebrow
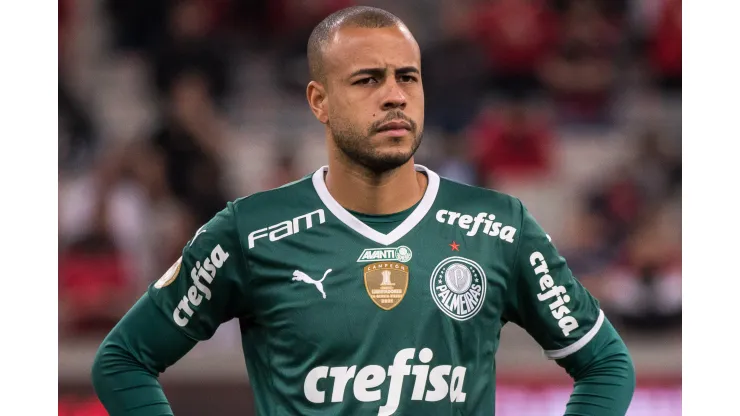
382 71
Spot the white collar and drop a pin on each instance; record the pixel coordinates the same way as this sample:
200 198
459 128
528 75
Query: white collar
352 222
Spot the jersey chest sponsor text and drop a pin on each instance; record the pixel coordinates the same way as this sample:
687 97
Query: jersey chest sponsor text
430 383
287 228
483 222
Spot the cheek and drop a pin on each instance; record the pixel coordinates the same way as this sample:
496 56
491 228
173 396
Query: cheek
344 119
338 112
419 96
415 97
417 111
354 112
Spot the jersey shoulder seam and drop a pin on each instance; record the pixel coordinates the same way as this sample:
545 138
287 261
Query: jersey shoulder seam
272 190
482 190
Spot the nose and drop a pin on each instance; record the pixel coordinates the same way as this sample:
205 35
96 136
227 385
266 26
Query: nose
395 98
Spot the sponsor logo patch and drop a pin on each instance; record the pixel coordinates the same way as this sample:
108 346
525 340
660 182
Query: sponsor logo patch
402 254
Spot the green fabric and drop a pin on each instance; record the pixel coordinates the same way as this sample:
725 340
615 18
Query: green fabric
145 343
138 349
303 279
384 223
604 376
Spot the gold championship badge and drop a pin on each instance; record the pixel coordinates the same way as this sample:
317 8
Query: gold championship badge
386 283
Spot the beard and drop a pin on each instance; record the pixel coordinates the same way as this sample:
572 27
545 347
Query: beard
356 145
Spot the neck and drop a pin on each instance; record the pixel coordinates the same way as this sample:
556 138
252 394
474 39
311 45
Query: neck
357 189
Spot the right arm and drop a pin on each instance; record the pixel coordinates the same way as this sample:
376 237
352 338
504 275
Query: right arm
130 359
183 307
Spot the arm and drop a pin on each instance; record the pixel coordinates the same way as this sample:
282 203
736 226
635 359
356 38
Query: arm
198 293
566 320
603 373
138 349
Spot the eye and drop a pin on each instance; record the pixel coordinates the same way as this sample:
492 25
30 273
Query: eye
407 78
365 81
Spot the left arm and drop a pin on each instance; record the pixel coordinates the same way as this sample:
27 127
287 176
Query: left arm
566 320
603 373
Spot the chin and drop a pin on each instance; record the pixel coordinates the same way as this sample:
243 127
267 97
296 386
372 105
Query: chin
397 143
402 153
385 161
381 153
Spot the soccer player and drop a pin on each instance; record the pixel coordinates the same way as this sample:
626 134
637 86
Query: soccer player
371 286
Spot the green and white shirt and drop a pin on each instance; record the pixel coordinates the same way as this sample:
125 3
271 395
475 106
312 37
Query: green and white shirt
343 315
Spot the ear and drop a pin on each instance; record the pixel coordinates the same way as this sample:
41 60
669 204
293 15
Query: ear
317 100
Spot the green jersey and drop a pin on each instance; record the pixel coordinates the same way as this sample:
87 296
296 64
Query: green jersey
338 317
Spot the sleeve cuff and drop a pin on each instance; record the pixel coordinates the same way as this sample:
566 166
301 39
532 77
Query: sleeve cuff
574 347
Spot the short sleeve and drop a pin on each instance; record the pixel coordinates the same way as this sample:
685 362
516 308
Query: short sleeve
200 291
546 299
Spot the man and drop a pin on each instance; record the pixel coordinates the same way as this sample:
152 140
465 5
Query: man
372 286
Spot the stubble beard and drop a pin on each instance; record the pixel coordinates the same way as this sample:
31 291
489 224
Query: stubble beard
355 147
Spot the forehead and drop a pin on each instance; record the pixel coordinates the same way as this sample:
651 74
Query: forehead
353 48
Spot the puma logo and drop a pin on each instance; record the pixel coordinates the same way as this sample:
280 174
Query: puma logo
299 276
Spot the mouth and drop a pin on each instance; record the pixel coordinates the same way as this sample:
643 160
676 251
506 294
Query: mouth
395 128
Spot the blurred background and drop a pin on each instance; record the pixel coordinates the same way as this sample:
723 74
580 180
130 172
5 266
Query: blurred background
168 109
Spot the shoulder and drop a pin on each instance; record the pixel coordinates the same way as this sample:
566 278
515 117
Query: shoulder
474 200
272 202
278 212
287 192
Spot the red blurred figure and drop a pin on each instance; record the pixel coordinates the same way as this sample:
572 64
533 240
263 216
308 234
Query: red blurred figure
516 35
665 50
66 9
581 73
86 407
515 144
94 285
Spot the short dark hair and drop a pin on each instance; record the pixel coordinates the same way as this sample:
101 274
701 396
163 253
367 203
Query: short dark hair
355 16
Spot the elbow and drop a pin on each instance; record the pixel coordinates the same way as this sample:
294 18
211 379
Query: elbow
629 383
621 368
623 363
620 364
631 374
107 363
614 363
